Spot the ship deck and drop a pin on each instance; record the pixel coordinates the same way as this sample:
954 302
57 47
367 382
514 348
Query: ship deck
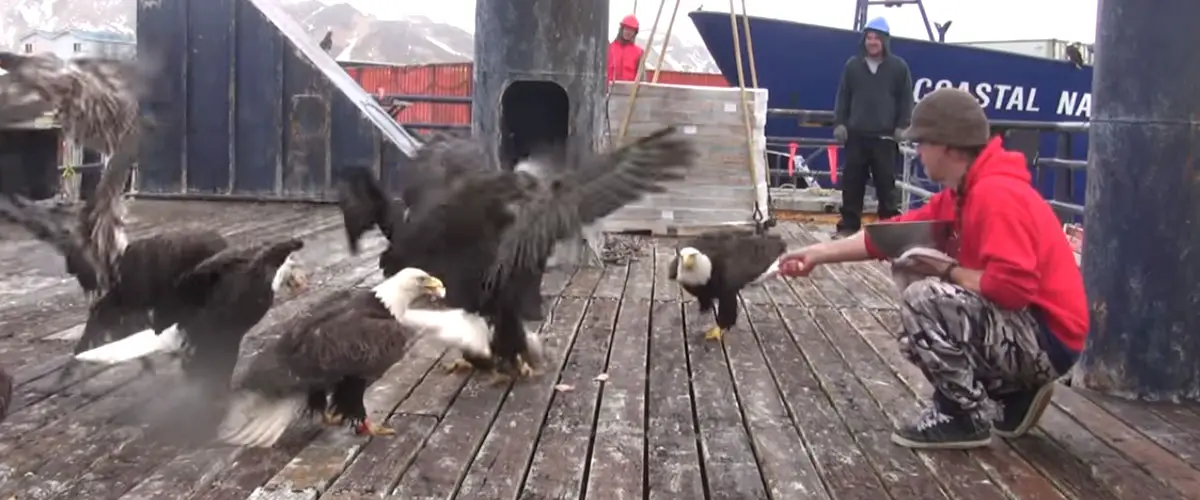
798 401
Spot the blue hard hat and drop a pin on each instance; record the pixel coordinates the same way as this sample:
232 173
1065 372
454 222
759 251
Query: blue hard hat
878 24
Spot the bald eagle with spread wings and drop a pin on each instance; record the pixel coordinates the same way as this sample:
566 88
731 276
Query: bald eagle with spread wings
489 233
159 281
325 360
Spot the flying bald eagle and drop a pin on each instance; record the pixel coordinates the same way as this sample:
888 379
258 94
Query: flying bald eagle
131 284
6 392
325 360
716 265
96 99
490 232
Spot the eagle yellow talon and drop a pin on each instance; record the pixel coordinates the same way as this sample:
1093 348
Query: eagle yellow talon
525 370
373 429
458 365
714 333
332 418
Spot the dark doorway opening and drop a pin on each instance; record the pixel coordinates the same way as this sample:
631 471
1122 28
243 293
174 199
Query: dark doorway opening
29 161
532 114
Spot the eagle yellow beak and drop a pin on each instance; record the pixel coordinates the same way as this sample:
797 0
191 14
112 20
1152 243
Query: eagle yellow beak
434 287
689 261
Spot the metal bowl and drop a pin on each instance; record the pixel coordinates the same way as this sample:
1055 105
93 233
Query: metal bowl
895 238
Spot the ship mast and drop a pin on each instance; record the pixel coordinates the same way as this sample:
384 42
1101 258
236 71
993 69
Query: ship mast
860 13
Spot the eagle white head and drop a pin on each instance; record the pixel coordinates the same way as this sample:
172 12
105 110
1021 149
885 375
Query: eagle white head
402 288
694 268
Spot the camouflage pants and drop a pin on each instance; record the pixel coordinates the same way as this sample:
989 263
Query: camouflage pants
969 348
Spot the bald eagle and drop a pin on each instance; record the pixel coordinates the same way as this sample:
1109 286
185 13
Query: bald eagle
327 42
131 284
1075 55
715 266
489 233
6 392
444 162
95 99
325 360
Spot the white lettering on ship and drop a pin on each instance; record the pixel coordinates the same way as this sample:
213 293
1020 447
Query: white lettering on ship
1007 97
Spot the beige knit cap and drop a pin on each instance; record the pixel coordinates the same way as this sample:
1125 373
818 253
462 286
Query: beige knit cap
950 117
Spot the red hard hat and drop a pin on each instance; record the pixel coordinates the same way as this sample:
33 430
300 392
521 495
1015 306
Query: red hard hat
630 21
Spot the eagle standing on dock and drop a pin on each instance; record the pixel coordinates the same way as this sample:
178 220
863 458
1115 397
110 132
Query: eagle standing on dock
490 234
131 284
324 361
715 266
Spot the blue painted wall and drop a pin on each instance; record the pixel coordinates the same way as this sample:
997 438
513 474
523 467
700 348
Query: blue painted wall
247 105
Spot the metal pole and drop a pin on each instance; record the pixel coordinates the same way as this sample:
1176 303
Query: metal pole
1141 258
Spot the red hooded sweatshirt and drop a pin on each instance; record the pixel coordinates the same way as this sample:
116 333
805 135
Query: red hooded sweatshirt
624 58
1011 234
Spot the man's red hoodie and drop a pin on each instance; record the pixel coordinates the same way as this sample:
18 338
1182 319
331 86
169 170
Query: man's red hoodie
1011 234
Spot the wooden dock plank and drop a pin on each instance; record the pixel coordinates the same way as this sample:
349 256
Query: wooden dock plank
195 470
839 460
1005 467
673 463
377 469
962 477
499 468
785 459
560 460
796 403
440 468
618 460
730 465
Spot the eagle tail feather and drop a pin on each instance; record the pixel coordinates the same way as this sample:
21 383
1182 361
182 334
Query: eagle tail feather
256 420
138 345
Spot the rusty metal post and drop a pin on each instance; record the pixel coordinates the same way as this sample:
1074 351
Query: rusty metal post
539 76
1141 257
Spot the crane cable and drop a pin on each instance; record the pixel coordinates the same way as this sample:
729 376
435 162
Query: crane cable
637 80
759 217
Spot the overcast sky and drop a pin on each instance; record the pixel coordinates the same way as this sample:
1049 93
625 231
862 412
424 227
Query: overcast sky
974 20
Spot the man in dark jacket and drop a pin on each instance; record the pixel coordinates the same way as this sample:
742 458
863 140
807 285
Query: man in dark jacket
874 102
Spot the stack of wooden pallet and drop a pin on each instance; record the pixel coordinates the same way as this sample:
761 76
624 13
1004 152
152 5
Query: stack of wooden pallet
727 185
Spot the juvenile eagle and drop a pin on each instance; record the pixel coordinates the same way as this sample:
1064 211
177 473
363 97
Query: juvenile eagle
716 265
490 233
324 361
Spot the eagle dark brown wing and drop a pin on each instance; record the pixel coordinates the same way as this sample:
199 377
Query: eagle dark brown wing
744 255
580 196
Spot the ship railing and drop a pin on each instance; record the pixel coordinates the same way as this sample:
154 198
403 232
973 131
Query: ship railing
1021 135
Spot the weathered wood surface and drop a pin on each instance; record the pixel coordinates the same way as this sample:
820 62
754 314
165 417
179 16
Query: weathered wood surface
797 402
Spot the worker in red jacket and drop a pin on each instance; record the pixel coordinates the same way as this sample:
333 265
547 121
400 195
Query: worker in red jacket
624 56
1005 321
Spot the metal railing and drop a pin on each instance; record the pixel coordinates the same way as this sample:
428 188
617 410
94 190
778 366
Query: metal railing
1020 135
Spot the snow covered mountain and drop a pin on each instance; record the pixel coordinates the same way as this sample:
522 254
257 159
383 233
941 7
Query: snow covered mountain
357 36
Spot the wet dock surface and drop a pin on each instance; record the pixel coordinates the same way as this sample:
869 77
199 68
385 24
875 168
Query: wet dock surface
798 402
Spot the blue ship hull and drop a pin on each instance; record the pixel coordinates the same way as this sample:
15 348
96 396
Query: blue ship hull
801 64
